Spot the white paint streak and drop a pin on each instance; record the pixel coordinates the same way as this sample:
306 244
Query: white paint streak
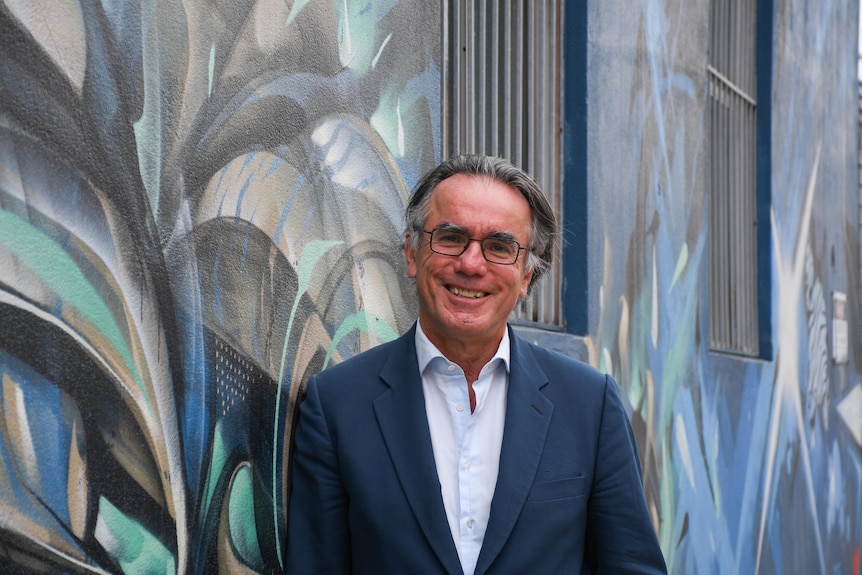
294 10
401 149
15 410
654 318
380 50
606 357
211 70
681 262
787 398
346 53
684 450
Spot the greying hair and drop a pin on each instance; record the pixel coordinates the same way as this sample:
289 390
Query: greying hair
544 232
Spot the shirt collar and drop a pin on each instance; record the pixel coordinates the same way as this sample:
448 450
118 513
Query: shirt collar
427 351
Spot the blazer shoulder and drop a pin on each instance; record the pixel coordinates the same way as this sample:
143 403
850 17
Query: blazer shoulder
367 364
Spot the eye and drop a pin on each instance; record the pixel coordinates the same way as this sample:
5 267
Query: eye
500 247
449 238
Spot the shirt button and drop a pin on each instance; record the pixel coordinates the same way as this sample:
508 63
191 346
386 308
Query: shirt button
467 464
460 407
451 367
469 524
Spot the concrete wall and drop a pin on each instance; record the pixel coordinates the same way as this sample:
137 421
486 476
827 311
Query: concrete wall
200 205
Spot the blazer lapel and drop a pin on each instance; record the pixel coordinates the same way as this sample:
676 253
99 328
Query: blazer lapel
403 422
528 417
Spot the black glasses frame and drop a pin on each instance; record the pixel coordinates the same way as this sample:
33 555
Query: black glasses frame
481 244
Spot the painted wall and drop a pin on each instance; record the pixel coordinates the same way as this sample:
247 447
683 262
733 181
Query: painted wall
197 200
200 205
750 466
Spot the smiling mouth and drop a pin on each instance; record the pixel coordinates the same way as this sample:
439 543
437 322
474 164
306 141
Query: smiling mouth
467 293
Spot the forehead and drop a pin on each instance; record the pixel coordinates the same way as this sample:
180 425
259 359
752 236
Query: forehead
479 204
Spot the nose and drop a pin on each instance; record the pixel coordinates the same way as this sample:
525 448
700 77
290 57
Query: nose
472 260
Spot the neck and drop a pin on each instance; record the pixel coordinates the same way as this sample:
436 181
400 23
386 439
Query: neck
470 355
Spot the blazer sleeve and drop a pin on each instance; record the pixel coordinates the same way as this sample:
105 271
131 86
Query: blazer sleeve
620 537
318 535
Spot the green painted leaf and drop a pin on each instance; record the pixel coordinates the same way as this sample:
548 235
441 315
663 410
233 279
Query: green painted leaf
360 321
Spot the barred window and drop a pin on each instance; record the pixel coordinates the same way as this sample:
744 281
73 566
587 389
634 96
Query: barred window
733 234
502 96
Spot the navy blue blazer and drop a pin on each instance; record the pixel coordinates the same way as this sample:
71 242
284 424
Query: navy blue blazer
365 497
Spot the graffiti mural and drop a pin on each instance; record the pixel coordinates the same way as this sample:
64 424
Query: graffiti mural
750 466
200 205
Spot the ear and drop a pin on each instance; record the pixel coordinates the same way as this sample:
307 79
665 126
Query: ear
410 254
525 283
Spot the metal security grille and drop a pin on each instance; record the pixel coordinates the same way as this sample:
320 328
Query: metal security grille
502 96
733 204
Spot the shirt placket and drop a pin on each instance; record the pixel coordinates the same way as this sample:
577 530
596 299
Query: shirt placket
460 402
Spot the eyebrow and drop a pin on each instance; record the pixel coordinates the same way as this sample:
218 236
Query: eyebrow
496 235
450 227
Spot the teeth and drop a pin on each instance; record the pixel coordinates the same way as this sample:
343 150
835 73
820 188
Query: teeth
466 293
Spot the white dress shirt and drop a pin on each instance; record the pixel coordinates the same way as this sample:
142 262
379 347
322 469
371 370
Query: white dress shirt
466 445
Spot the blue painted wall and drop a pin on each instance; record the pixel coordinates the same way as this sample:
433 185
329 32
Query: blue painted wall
751 466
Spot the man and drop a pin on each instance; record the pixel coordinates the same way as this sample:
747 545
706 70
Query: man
460 447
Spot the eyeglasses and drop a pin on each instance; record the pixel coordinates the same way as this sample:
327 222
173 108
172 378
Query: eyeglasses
452 243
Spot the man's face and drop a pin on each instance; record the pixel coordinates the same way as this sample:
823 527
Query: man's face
467 298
